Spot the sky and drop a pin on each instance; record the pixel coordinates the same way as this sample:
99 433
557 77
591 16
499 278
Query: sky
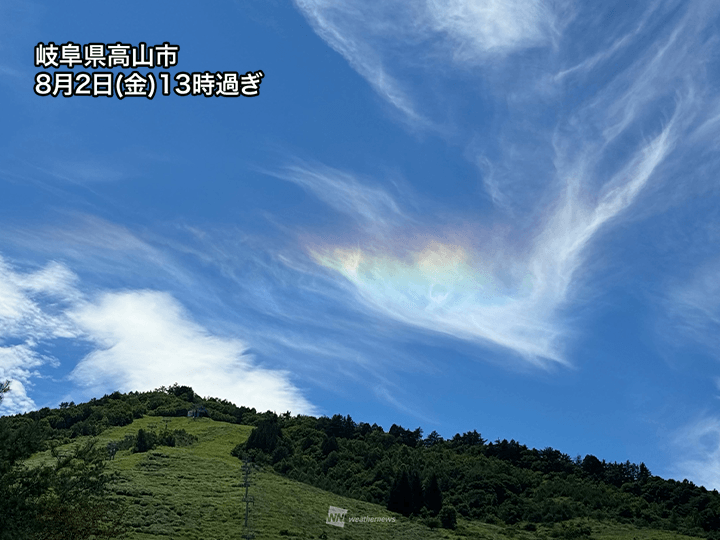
498 215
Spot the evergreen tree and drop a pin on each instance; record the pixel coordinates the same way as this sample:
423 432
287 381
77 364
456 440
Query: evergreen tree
416 491
401 500
329 445
643 474
433 439
264 437
472 438
433 495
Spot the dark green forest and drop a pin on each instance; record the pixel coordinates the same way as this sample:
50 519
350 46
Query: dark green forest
501 482
435 480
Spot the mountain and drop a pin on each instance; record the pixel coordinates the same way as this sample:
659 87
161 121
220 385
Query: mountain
173 476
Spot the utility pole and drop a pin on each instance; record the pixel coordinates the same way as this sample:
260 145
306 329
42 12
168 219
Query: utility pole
247 499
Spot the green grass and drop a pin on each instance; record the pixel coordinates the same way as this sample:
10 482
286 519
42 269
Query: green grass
195 492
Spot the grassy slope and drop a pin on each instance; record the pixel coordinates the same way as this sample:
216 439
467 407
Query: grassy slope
194 493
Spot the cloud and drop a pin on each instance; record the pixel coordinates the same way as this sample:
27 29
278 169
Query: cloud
18 363
692 310
374 35
373 207
479 28
140 340
507 283
563 178
31 312
699 444
473 284
344 27
21 296
144 339
484 284
234 284
617 45
102 250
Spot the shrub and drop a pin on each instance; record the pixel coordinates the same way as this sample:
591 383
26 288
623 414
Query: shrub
448 517
145 440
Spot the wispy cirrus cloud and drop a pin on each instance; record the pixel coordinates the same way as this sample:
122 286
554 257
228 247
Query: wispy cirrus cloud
507 283
690 320
368 36
475 285
691 314
346 27
699 445
372 207
486 284
478 29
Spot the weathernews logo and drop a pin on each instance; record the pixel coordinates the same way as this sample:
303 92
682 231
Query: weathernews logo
336 516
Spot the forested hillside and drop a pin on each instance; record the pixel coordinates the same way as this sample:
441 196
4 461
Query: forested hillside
433 481
496 482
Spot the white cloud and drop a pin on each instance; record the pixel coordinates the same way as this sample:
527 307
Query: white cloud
507 283
31 311
483 27
145 339
475 285
373 207
105 250
699 444
692 310
373 35
345 27
18 364
141 339
21 296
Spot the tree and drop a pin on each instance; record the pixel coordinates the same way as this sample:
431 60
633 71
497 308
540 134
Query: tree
472 438
433 495
405 436
416 490
593 466
401 499
329 445
61 501
183 392
433 439
448 517
145 440
643 473
264 437
4 387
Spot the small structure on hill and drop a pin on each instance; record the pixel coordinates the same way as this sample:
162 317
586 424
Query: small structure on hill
197 412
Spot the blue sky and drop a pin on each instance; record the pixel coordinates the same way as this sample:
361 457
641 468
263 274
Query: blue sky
497 215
